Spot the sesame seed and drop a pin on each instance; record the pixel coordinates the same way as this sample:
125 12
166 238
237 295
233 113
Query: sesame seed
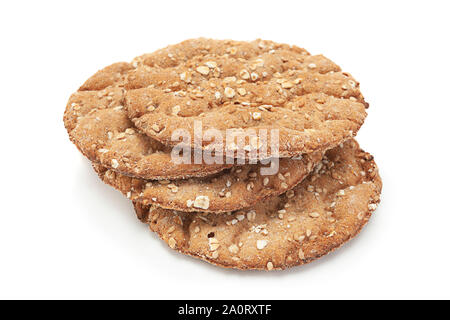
121 136
211 64
229 79
256 115
244 74
301 254
203 70
242 91
261 244
265 107
251 215
201 202
287 85
213 244
155 127
229 92
314 214
189 203
114 163
172 243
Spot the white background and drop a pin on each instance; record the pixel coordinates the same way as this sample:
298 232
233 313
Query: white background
64 234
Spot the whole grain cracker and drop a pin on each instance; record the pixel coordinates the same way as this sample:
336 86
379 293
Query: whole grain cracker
326 210
252 85
229 190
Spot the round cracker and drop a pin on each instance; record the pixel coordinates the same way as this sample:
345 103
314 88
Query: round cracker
259 85
98 125
229 190
326 210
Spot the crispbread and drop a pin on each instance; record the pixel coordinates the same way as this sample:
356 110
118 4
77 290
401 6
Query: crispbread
254 85
327 209
229 190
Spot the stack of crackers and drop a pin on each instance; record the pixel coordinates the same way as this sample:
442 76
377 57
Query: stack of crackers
152 130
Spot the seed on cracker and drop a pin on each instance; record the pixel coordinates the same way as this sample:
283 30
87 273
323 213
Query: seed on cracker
229 92
261 244
201 202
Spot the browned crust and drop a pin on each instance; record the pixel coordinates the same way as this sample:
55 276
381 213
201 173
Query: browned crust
355 201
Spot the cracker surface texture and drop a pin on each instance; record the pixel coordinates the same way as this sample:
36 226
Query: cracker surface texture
97 123
323 212
229 190
235 85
